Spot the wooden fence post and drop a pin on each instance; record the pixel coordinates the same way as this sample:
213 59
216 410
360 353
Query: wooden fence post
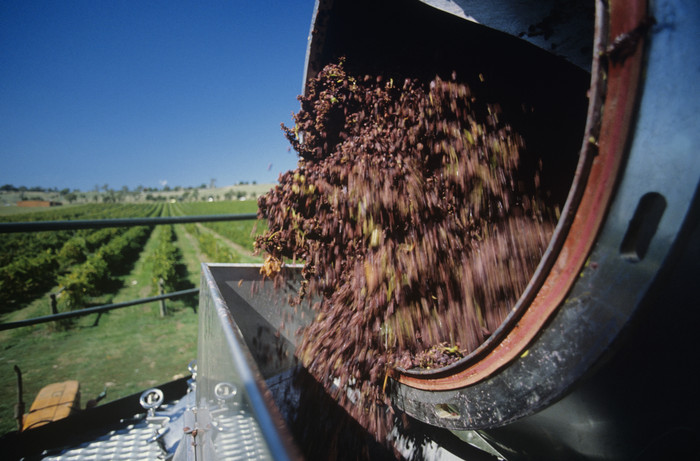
54 305
163 310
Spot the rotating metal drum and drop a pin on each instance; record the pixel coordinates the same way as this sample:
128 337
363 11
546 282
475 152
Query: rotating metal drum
596 359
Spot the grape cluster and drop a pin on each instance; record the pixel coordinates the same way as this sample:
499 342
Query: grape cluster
407 213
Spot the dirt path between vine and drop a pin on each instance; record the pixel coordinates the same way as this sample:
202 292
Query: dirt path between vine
235 246
195 245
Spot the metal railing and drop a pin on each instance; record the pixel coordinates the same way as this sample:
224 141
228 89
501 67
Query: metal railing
94 310
40 226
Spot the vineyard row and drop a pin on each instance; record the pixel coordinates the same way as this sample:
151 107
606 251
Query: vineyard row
83 262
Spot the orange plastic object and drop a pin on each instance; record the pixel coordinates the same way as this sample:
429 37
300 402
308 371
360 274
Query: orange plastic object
55 401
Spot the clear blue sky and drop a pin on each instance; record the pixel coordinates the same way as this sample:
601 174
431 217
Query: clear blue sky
130 93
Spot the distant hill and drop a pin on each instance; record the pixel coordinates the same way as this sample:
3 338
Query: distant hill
9 199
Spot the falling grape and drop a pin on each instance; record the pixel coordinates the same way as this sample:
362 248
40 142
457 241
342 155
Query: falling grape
414 230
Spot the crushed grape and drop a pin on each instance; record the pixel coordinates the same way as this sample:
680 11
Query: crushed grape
413 228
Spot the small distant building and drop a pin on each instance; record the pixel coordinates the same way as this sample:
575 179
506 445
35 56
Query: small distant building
38 203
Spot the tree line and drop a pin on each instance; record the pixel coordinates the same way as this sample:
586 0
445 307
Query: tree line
107 194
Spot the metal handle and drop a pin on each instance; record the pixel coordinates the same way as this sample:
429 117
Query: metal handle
151 400
225 391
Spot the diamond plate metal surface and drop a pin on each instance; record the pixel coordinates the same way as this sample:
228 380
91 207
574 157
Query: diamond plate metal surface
129 443
237 436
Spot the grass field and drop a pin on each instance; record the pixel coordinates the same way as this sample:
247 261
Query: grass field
128 350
